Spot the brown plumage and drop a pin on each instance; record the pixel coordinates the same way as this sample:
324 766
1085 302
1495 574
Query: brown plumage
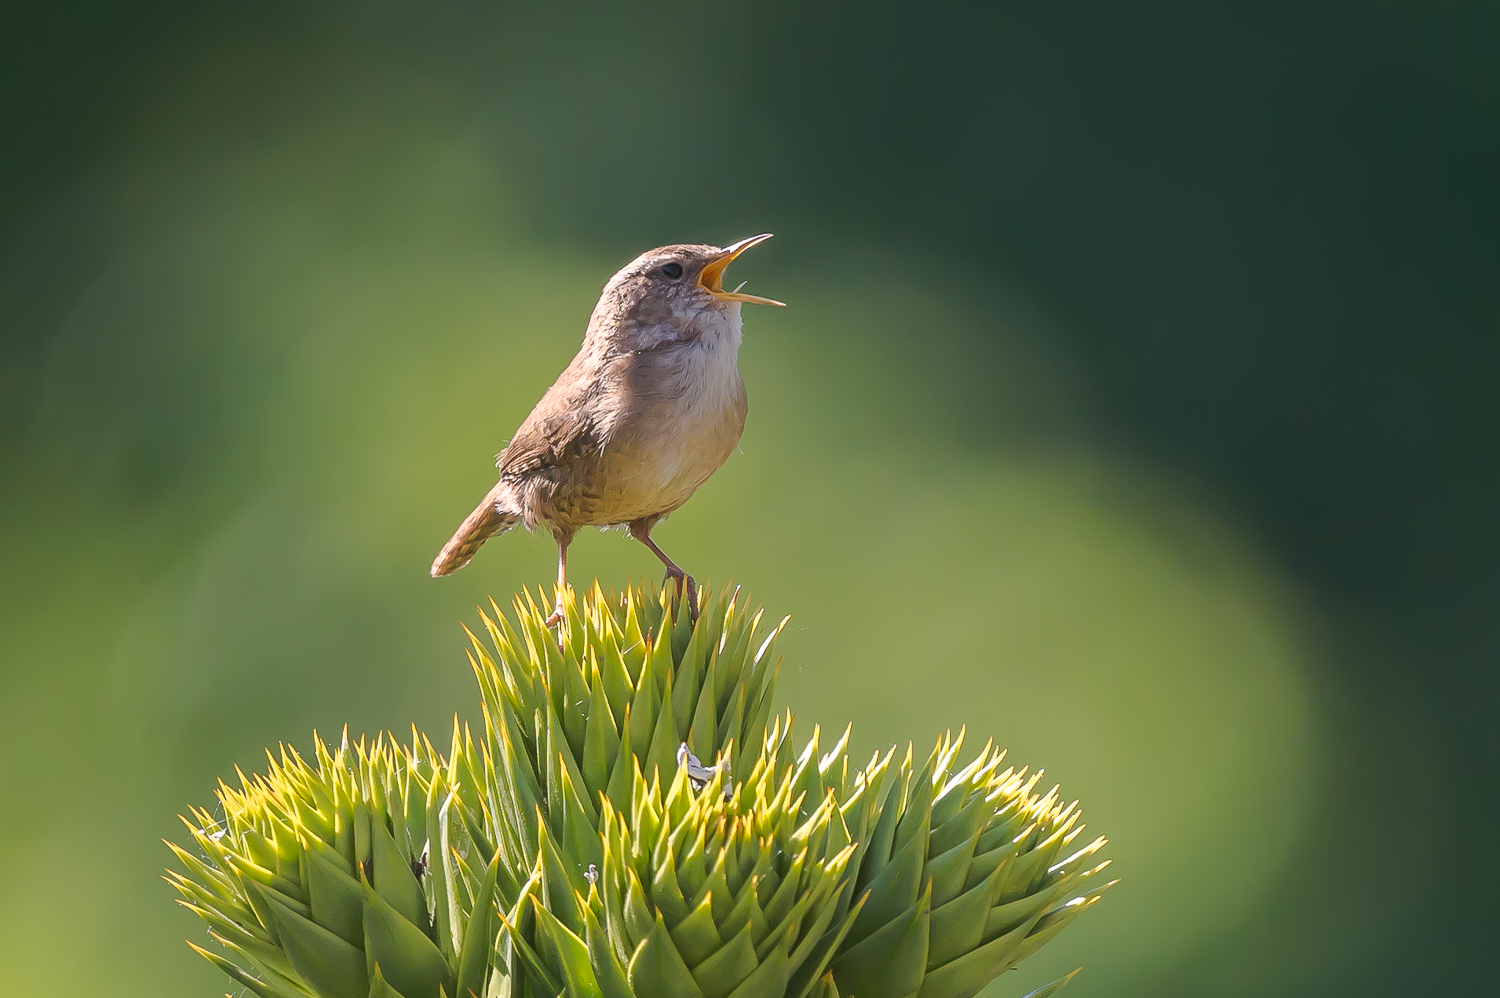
650 407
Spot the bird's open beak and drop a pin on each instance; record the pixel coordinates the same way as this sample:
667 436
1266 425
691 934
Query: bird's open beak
712 275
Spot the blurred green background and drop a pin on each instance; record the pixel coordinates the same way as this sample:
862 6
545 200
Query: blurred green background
1136 405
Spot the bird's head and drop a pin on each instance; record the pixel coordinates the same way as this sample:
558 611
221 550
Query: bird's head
674 293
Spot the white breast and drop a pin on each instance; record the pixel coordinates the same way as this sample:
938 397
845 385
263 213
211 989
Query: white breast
692 425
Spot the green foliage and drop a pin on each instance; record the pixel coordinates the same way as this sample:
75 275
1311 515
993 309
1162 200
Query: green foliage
579 847
315 880
962 878
566 721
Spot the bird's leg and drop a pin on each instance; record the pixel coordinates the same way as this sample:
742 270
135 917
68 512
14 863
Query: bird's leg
641 531
563 540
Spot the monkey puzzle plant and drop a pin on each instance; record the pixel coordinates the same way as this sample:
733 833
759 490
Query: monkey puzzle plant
633 821
313 880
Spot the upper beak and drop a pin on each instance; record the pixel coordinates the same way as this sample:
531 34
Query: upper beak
712 275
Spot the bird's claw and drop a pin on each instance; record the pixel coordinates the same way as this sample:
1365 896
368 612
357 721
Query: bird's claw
686 588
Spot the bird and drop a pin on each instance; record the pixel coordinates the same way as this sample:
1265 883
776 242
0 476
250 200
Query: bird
650 407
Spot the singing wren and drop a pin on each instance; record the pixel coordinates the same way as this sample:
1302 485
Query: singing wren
650 407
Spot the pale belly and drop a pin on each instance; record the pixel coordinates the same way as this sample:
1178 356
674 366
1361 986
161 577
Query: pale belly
655 465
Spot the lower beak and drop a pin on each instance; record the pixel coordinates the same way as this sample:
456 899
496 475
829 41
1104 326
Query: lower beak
711 277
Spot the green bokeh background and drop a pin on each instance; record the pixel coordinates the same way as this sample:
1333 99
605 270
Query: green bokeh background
1135 405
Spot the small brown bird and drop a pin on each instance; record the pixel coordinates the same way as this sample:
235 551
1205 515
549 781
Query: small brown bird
650 407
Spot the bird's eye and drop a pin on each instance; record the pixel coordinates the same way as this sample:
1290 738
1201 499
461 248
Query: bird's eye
672 270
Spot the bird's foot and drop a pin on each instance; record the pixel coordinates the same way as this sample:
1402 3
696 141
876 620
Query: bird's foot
686 589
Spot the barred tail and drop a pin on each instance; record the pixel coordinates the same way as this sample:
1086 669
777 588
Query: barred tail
479 526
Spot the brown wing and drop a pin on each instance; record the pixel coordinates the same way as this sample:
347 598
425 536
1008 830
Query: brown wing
560 430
